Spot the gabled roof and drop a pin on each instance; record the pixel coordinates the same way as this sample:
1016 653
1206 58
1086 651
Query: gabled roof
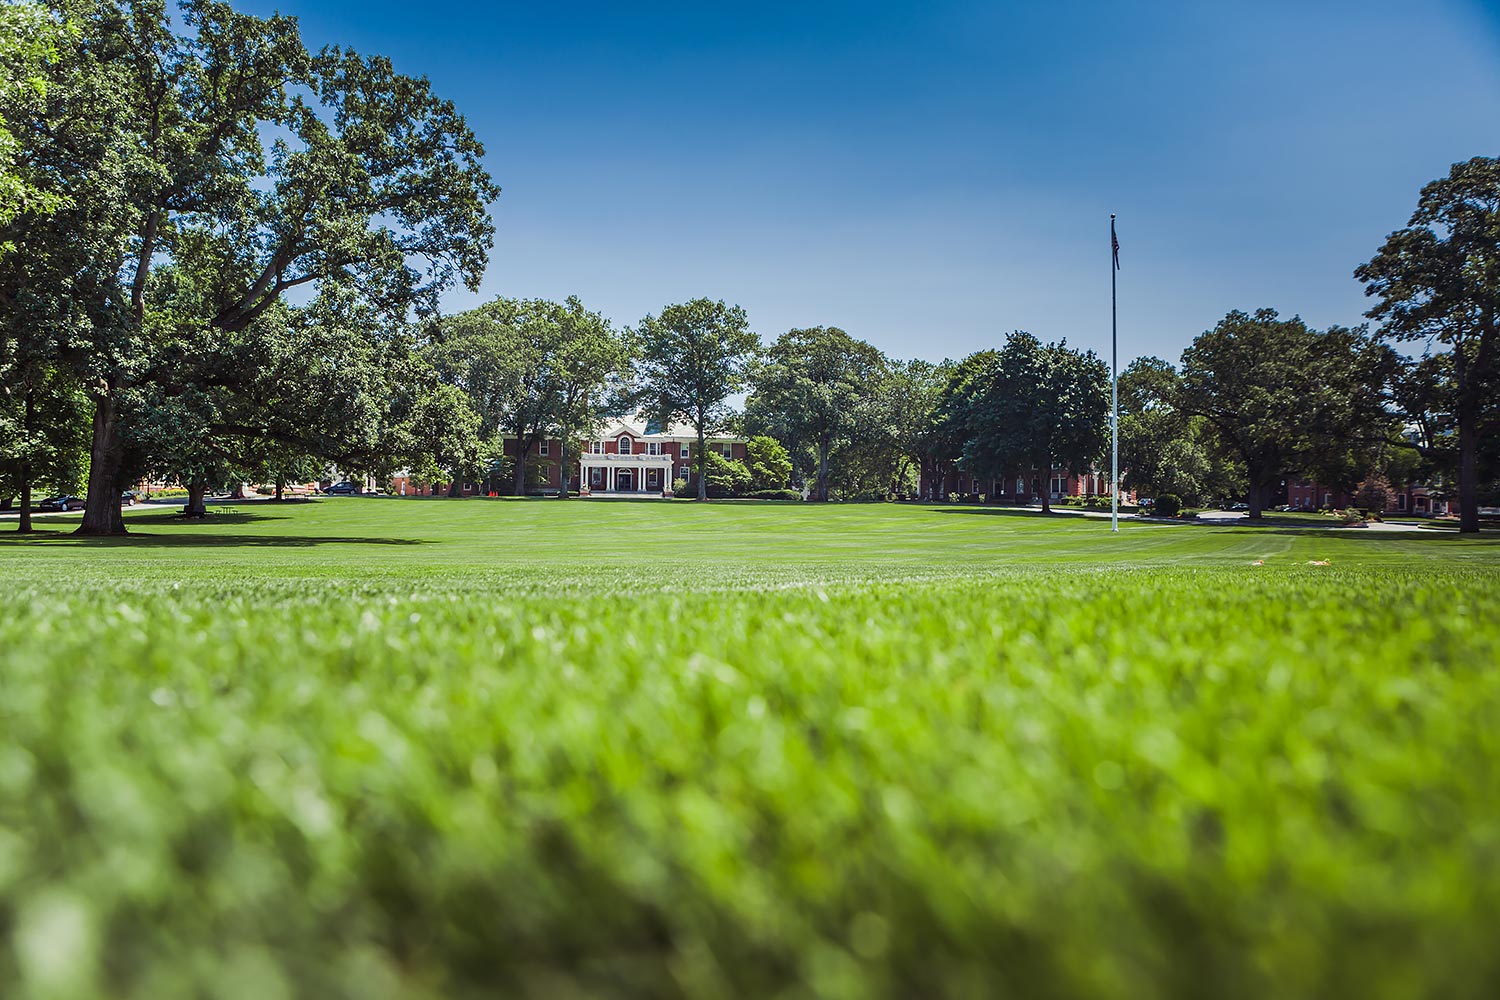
638 426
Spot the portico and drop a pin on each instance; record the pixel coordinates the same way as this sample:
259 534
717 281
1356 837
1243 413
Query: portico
627 474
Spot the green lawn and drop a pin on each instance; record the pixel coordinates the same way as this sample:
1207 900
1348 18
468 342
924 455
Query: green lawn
402 748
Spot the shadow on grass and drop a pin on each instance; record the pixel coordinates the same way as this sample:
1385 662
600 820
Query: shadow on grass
1488 539
208 540
1008 512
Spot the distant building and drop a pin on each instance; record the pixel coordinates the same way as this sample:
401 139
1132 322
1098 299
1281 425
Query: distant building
629 457
1018 487
1409 498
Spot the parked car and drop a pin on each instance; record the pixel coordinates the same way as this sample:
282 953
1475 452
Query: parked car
1239 506
62 503
129 498
345 488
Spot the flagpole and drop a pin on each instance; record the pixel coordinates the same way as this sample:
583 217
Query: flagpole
1114 384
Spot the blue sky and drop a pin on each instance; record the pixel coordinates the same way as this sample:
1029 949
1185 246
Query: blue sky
929 176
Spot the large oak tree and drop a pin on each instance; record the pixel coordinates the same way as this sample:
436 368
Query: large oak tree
694 356
1283 398
372 186
1438 280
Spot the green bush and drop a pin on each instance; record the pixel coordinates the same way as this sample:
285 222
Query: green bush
679 487
774 495
1168 505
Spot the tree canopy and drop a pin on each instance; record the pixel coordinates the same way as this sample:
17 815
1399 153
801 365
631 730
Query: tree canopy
694 356
1438 280
1284 398
225 167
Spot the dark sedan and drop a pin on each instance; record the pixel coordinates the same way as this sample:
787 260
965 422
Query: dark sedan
62 503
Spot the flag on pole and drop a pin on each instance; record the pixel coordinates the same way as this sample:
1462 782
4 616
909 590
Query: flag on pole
1116 241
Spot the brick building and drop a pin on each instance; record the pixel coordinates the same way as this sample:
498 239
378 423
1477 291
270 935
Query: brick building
630 457
1017 487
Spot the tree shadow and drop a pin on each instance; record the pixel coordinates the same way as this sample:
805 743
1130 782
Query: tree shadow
212 517
1009 512
1488 539
207 540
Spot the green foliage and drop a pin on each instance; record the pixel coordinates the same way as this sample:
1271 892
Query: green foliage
533 369
726 477
1035 406
694 356
773 495
1162 448
1375 494
1168 505
769 464
384 747
1284 398
819 388
235 166
30 43
1438 280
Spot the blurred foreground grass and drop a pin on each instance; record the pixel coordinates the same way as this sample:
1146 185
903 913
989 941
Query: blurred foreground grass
748 767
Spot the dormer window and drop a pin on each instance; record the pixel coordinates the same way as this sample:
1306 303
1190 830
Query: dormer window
624 444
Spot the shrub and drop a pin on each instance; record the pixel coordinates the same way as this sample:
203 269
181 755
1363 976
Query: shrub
726 476
1375 494
1353 515
769 464
679 486
774 495
1168 505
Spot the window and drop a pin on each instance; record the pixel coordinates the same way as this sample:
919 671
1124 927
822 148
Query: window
624 444
686 474
653 447
686 451
596 447
544 449
1401 501
727 450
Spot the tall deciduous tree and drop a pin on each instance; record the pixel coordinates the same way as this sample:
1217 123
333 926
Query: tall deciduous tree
914 394
817 386
694 356
1163 449
592 367
1046 410
954 419
1438 280
373 185
1284 398
769 463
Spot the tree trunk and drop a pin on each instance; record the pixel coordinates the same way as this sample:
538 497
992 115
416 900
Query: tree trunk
823 471
195 505
522 452
1468 471
455 488
280 487
101 513
699 459
24 526
562 470
1046 490
1253 500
